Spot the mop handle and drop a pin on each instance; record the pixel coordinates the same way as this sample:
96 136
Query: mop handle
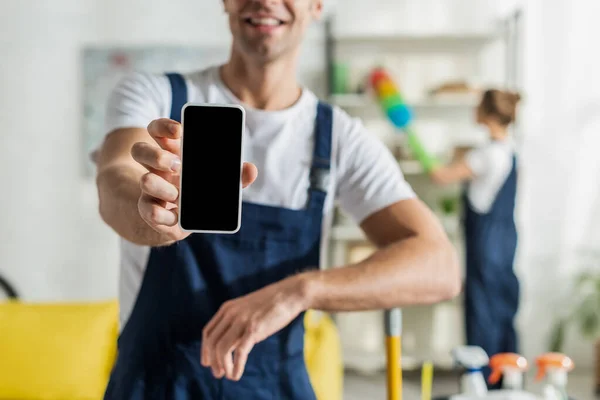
393 332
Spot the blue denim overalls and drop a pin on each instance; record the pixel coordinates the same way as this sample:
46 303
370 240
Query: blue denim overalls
185 283
491 287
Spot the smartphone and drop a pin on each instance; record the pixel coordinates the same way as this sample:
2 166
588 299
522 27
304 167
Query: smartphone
210 193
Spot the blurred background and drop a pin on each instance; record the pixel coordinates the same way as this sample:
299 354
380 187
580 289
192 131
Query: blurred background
60 58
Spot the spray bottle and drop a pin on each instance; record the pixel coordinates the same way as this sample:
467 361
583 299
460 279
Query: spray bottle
555 367
473 359
511 367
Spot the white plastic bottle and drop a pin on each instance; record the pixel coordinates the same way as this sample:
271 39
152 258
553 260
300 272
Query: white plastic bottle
510 367
512 379
473 384
473 359
555 367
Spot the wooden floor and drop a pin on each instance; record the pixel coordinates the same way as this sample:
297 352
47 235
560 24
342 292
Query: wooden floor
359 387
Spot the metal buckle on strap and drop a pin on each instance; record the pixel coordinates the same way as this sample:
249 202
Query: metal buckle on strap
319 179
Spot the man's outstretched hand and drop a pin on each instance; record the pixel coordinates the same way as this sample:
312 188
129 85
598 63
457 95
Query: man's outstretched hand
241 323
160 186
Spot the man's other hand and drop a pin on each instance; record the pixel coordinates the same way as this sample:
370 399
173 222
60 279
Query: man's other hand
240 323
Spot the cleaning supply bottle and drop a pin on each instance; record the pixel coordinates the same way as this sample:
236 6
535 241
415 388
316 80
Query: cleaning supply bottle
555 367
510 367
473 359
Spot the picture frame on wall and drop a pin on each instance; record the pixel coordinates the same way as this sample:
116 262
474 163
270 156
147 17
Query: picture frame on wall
104 66
7 290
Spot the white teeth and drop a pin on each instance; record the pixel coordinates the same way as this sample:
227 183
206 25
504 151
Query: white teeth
264 21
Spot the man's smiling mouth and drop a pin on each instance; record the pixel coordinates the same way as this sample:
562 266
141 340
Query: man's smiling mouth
264 21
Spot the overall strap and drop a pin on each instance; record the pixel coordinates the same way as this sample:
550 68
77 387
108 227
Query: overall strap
178 95
321 161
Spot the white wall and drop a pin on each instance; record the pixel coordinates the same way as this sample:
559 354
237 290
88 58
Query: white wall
53 245
557 190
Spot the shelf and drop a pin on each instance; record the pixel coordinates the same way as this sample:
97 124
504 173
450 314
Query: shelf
442 103
411 167
347 232
416 41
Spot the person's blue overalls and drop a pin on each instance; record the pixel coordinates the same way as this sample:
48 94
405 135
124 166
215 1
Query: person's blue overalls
185 284
491 287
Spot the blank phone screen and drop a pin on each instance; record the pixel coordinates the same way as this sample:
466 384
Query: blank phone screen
211 168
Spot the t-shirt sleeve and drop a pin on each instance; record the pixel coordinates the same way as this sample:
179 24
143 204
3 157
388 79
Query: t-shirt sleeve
369 177
479 160
136 100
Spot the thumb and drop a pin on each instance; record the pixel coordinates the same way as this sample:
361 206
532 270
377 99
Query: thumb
249 174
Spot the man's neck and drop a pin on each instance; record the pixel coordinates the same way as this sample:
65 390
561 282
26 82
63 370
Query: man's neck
271 86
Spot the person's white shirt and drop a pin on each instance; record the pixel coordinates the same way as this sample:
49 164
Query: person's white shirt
364 175
491 164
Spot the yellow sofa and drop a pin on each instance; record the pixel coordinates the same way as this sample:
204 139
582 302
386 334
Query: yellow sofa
51 351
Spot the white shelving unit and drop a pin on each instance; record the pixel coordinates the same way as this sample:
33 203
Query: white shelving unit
351 101
430 333
451 41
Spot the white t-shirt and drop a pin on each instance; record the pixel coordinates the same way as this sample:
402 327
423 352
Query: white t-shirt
364 175
491 164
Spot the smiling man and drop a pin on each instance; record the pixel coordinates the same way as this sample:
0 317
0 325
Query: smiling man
220 316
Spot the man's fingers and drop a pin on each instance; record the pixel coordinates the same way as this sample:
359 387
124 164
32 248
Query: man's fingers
228 364
154 213
167 134
211 332
216 359
215 320
241 356
157 187
155 158
249 174
164 128
223 349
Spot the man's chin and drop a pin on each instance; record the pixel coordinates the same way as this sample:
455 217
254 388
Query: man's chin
264 52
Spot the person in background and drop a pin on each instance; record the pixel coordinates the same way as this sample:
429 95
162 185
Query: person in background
490 173
221 316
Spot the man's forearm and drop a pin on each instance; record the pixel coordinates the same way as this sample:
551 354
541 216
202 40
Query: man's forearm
118 192
414 271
